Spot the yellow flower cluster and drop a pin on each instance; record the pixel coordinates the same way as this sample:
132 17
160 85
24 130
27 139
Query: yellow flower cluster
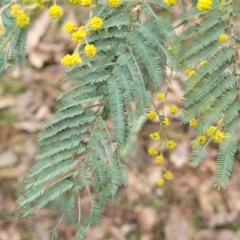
203 62
70 60
37 1
165 122
204 5
160 96
86 3
96 23
193 122
218 136
152 115
2 30
168 175
155 136
170 3
159 159
79 35
55 11
114 3
22 19
190 72
223 37
75 1
211 130
173 109
90 50
172 50
171 144
152 152
160 182
41 7
201 140
16 9
70 27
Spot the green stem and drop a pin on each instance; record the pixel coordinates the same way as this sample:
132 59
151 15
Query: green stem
79 209
8 38
6 6
58 223
233 42
153 13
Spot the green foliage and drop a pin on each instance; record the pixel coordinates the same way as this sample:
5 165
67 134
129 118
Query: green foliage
17 38
212 93
75 144
77 149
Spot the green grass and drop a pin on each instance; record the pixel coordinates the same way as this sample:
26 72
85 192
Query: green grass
7 118
13 87
197 221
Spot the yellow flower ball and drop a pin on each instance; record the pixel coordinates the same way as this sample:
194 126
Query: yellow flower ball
187 71
218 136
190 72
2 30
159 159
96 23
170 3
155 136
160 182
165 122
78 36
160 96
172 50
69 27
171 144
152 115
203 62
114 3
173 109
55 11
75 1
223 37
90 50
201 140
86 3
41 7
211 130
16 9
193 122
70 60
168 175
152 152
204 5
22 20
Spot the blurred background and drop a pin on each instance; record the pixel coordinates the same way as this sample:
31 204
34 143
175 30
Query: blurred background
186 208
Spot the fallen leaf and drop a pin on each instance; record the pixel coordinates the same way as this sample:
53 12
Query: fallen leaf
178 226
7 158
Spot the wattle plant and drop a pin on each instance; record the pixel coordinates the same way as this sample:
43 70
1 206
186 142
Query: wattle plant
118 63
